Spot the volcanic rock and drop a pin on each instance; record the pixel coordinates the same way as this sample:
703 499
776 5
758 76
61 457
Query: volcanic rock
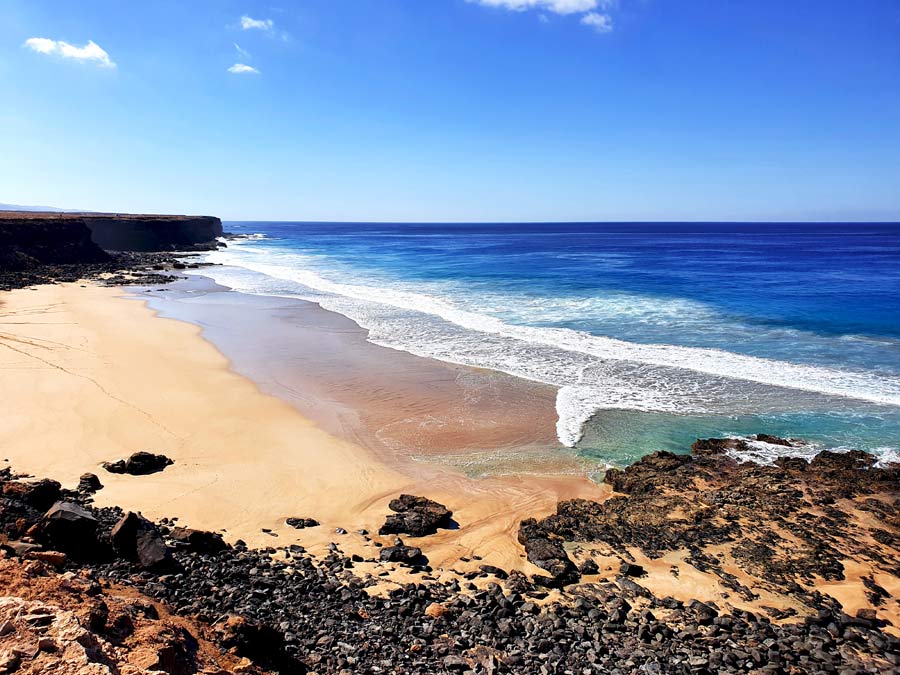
260 643
548 554
89 483
631 570
137 539
197 541
69 528
498 572
589 567
139 464
400 553
773 440
302 523
416 516
40 494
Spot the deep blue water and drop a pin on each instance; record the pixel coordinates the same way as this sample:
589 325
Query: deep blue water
656 333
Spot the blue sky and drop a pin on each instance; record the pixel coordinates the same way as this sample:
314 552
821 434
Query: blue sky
454 109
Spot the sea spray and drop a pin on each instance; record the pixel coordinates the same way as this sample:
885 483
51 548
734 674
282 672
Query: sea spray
623 375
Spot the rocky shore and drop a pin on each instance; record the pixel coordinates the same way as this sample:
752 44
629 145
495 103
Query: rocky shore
786 530
38 248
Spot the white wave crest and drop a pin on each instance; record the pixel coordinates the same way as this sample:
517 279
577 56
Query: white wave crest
593 372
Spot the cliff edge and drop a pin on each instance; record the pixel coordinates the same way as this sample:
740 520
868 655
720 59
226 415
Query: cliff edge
109 231
43 247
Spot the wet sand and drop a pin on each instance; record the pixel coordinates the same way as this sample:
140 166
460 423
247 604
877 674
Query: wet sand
403 407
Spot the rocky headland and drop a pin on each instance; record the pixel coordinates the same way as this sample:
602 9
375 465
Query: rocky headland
791 544
38 247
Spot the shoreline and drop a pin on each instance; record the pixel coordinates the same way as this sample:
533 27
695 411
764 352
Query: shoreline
408 410
98 376
144 382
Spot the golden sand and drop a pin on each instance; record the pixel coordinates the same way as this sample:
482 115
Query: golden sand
90 375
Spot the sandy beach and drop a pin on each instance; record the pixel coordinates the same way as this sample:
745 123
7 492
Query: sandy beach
303 419
95 375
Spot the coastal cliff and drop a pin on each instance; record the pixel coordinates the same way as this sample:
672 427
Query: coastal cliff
38 247
109 231
26 242
115 232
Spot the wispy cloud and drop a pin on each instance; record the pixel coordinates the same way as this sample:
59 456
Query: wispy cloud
243 52
90 53
555 6
249 23
243 68
593 12
602 23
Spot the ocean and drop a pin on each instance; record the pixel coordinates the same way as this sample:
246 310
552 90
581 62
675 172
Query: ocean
656 333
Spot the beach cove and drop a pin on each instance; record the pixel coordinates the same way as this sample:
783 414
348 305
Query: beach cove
97 376
306 476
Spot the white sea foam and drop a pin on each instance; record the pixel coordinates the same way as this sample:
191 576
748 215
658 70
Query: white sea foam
764 453
592 372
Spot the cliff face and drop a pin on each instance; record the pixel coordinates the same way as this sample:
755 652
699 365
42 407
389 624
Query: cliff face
26 242
152 233
66 237
39 247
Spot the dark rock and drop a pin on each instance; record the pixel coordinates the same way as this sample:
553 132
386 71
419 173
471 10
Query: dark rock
496 571
260 643
28 240
589 567
703 612
89 483
400 553
633 479
137 538
38 248
416 516
302 523
98 615
69 528
197 541
453 662
20 548
631 570
114 232
139 464
792 463
549 555
40 494
773 440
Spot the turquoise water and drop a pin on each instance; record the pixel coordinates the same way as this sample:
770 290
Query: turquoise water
656 334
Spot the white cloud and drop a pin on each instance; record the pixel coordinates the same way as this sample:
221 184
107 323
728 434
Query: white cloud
555 6
91 52
248 23
602 23
591 11
240 50
242 68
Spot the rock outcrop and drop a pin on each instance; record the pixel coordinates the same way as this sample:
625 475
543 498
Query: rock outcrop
139 464
779 529
197 541
38 247
416 516
29 241
69 528
126 232
238 610
401 553
136 538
